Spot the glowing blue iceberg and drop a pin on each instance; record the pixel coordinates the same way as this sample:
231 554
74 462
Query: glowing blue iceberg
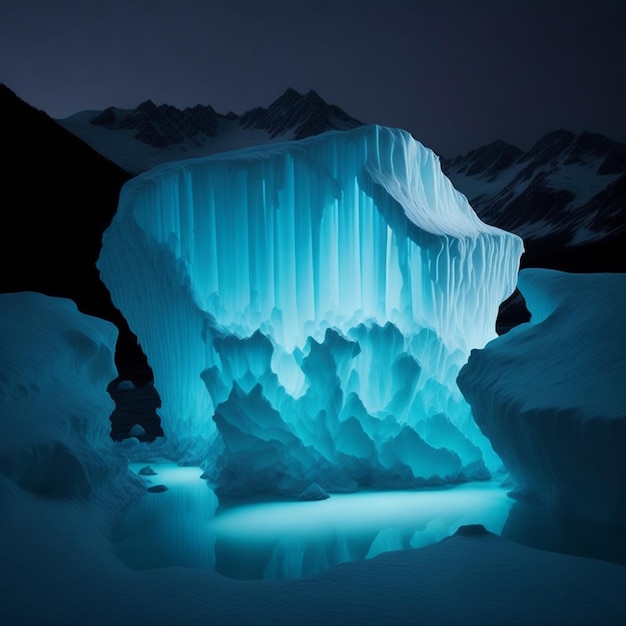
314 302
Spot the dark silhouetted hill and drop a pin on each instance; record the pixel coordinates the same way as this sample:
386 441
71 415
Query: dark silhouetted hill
57 196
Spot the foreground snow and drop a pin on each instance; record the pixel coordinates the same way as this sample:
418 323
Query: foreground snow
59 565
62 571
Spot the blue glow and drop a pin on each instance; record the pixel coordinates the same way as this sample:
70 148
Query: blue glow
169 528
306 307
183 526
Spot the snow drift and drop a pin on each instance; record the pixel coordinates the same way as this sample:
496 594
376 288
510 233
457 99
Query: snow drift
550 394
55 365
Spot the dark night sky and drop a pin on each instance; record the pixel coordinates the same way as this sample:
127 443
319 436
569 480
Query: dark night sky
455 73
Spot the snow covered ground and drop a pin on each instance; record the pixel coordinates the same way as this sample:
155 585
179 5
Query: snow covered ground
58 568
64 485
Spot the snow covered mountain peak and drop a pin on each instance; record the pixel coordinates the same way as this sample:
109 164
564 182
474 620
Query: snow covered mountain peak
138 139
161 126
302 115
566 183
487 160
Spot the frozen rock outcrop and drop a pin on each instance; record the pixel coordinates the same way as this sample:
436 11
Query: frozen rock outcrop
550 394
313 301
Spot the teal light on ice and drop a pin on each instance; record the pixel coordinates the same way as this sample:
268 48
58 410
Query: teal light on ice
306 307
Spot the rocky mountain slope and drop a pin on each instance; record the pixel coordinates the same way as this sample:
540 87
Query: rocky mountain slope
141 138
567 194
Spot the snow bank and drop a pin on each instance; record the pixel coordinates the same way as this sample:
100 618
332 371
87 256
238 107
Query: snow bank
71 577
551 394
55 365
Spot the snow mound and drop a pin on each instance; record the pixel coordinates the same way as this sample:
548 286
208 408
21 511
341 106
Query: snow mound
55 365
550 394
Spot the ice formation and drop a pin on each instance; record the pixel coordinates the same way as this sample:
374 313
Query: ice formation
550 394
55 365
313 301
59 566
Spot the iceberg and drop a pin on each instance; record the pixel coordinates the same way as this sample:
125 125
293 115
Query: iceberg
550 394
306 307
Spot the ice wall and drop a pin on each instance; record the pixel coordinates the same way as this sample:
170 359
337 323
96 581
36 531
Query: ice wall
55 364
314 300
550 394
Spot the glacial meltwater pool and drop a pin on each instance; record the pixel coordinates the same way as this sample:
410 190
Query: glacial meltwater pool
187 525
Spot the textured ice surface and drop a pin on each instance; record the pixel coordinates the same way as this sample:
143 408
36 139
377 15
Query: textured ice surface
55 364
59 568
313 301
550 394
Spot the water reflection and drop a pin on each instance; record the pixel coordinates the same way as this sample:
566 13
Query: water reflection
532 525
295 539
169 528
187 526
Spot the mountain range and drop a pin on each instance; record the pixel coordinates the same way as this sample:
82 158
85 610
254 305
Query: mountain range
565 195
60 180
567 191
138 139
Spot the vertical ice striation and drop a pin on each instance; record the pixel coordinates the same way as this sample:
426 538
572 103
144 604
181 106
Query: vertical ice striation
314 300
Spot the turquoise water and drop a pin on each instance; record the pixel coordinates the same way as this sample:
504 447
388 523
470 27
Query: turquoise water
188 526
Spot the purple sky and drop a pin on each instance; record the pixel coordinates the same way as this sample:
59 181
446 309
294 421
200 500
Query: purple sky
455 73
